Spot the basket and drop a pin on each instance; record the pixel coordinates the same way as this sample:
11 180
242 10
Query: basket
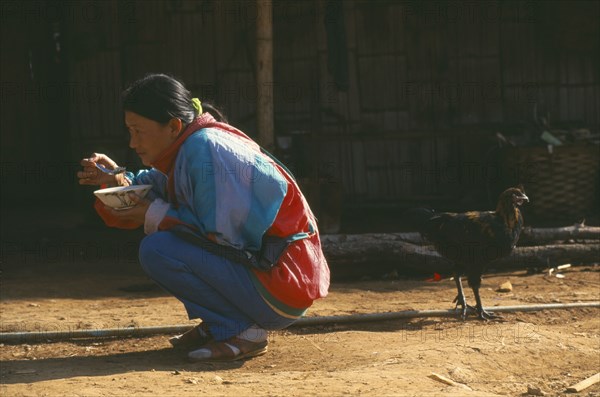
562 186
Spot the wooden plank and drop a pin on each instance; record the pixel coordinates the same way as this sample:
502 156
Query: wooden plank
420 47
548 100
403 173
401 88
511 68
589 72
397 14
376 27
350 100
489 90
296 85
469 103
468 35
528 53
295 26
577 102
489 31
349 11
575 67
564 65
378 91
235 35
358 167
592 116
346 169
373 163
547 68
563 103
584 384
448 381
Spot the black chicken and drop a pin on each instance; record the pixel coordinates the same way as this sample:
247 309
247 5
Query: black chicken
471 240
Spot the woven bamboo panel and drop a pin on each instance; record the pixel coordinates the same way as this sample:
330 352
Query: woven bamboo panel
562 185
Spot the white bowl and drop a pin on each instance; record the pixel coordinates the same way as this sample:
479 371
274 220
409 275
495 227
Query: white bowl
118 197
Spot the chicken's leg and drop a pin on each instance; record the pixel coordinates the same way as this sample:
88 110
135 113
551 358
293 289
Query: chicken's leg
460 298
481 313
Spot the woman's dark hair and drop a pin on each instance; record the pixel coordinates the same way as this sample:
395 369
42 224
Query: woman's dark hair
214 111
160 97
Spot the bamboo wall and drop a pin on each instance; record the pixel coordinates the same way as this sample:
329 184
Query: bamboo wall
410 115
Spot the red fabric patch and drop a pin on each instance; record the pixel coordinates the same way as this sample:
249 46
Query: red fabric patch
436 277
302 274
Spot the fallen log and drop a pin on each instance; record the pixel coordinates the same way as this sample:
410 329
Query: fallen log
549 256
540 236
357 255
529 236
369 254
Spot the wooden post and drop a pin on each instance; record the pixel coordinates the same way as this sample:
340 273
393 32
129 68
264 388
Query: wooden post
264 74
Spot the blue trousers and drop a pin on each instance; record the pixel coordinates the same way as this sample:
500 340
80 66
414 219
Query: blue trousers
212 288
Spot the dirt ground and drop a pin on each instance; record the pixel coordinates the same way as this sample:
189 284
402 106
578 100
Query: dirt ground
548 350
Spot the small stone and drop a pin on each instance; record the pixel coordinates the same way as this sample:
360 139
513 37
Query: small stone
505 287
461 375
535 391
218 379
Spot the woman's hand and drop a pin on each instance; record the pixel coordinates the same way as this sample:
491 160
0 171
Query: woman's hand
93 176
135 214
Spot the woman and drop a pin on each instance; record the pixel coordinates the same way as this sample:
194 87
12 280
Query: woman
228 231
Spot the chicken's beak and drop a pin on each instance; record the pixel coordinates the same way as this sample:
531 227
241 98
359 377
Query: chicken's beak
519 200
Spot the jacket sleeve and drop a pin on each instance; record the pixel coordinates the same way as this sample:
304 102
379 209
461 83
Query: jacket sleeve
143 177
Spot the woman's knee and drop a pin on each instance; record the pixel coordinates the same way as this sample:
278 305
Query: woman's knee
148 254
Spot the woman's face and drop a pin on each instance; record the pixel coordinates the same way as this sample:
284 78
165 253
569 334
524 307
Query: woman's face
150 138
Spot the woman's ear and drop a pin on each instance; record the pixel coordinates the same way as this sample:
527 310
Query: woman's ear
175 126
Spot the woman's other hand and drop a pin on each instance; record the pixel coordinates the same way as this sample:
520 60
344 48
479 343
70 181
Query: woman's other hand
136 214
93 176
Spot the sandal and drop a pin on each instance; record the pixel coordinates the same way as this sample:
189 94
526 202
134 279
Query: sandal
192 337
222 351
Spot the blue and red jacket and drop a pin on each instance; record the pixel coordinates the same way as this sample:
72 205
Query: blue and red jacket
216 182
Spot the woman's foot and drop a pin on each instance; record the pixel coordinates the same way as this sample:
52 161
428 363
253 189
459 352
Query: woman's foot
197 336
250 343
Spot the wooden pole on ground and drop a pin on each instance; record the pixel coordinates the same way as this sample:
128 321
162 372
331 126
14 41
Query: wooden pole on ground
584 384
